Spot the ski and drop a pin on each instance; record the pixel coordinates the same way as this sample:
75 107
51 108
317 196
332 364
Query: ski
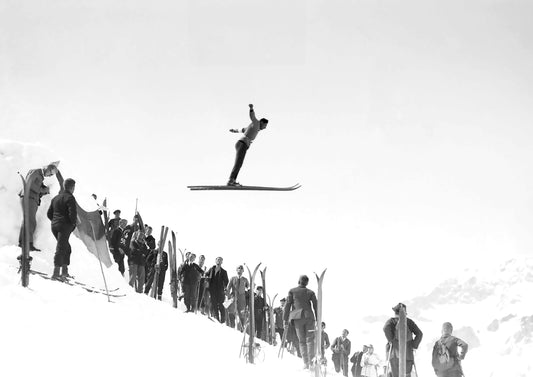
272 329
162 240
320 368
106 219
237 188
25 258
74 283
173 272
251 319
265 334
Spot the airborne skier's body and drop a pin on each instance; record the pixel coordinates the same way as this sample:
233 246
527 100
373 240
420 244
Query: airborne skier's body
250 133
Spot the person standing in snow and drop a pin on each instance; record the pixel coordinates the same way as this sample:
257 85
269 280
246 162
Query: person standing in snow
341 348
392 338
325 341
217 280
301 308
236 290
35 179
370 363
114 245
448 352
137 260
63 214
278 314
242 145
356 360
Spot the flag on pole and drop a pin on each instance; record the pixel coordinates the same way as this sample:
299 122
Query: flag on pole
91 231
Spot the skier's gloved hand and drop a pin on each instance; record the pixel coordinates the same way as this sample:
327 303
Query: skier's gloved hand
233 130
251 106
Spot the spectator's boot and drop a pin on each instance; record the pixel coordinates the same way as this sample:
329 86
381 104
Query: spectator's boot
56 275
33 248
64 272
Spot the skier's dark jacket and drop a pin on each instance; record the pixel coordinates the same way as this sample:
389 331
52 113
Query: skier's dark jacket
412 343
63 210
299 302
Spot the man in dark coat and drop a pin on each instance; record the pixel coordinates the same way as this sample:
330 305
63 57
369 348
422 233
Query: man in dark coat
259 312
217 278
63 215
278 314
35 179
301 308
356 360
190 274
341 348
114 245
391 334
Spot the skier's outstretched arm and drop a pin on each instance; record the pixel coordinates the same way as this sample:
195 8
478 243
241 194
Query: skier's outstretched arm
252 114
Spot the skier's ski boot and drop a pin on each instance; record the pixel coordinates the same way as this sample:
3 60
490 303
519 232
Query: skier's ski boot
57 276
233 183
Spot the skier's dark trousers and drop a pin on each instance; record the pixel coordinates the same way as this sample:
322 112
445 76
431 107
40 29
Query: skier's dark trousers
63 214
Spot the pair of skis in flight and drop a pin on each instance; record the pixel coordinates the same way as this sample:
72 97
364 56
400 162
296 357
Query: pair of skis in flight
254 188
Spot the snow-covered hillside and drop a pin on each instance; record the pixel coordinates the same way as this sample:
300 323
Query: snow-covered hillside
55 329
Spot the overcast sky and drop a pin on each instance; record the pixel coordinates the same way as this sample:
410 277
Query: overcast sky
408 124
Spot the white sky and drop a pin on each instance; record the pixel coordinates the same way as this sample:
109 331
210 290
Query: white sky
409 125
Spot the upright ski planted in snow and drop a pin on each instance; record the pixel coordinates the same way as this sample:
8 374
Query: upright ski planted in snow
319 371
173 271
162 240
251 319
265 334
25 256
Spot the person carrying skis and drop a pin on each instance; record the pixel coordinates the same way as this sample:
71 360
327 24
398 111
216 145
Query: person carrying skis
393 346
63 214
448 352
301 308
242 145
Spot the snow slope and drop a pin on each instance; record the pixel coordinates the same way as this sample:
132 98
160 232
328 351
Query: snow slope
55 329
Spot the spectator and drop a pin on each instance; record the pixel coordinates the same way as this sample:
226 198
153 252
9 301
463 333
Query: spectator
448 352
259 312
278 314
356 360
325 342
217 278
301 308
236 290
393 348
137 261
113 223
37 190
370 363
341 348
191 274
114 245
63 214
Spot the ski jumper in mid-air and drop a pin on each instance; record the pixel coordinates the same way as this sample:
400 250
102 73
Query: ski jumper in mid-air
250 133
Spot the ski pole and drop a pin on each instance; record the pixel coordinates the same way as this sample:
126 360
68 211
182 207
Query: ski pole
388 360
